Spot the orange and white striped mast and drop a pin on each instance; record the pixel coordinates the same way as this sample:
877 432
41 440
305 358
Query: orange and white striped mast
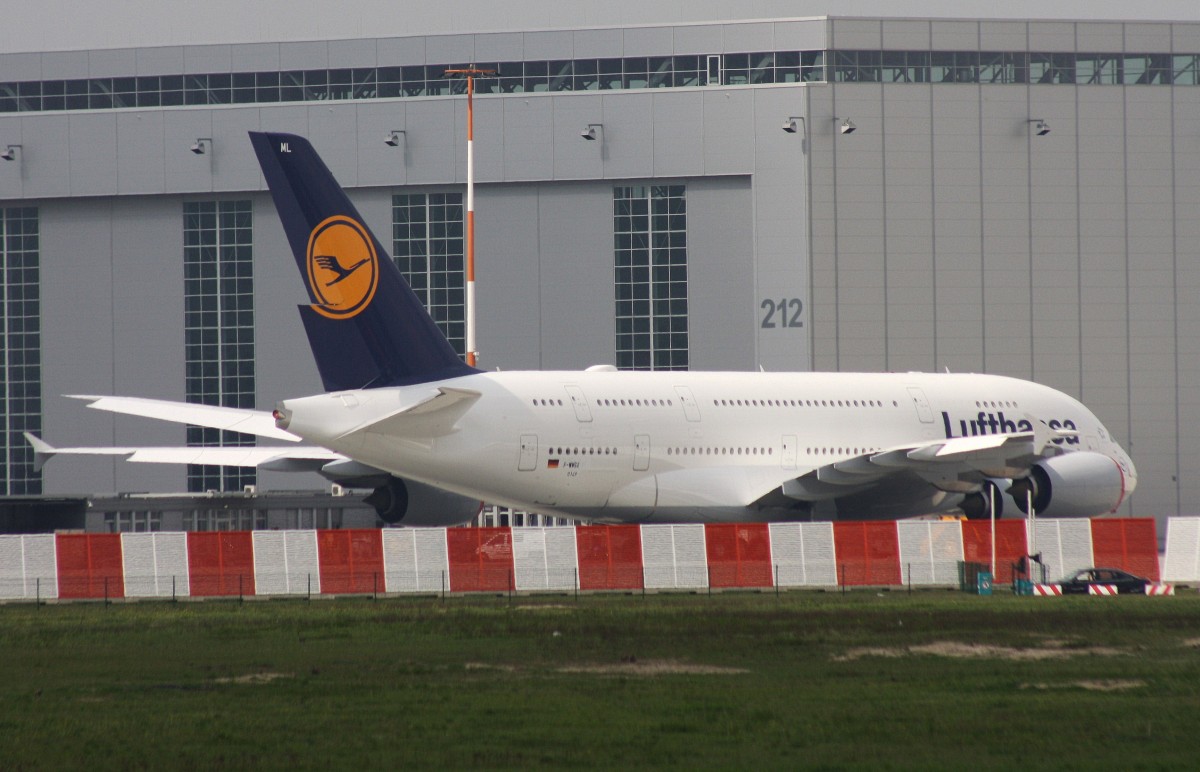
471 73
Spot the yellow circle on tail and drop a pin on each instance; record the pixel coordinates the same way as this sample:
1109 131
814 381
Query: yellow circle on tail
343 267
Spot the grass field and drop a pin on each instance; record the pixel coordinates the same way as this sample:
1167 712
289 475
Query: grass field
931 680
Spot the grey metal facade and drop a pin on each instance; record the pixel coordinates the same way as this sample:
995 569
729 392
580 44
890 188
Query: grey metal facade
942 233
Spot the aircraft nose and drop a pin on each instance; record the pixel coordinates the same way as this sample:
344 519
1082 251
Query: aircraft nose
1130 471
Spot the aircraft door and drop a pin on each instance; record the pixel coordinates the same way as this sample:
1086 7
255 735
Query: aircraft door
788 457
690 408
921 403
641 452
529 448
583 413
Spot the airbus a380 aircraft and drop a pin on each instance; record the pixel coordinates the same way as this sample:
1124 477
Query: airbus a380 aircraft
435 437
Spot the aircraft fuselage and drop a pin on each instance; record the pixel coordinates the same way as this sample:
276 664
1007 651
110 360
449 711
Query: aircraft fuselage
672 446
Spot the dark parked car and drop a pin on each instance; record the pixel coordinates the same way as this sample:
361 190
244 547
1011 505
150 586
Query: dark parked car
1125 582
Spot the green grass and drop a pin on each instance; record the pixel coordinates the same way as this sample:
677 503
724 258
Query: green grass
481 682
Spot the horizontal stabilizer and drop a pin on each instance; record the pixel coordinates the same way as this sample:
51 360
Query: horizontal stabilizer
257 422
278 458
432 417
230 456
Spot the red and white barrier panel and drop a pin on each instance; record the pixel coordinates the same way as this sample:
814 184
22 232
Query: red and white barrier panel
627 557
1047 590
1160 589
1102 589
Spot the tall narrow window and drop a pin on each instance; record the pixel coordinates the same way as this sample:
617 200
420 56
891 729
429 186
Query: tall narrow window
219 327
427 240
20 348
650 236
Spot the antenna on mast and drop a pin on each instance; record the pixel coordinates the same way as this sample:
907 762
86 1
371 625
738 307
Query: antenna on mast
471 72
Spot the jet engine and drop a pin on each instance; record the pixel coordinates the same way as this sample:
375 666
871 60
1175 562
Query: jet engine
416 504
1080 484
978 506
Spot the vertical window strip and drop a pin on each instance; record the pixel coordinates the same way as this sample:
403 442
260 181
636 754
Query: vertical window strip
20 347
429 249
650 251
219 328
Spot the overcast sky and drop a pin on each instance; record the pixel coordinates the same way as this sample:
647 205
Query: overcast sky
55 25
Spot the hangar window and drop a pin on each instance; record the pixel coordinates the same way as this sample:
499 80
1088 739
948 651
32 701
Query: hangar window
638 72
429 249
138 521
650 252
223 519
218 271
20 348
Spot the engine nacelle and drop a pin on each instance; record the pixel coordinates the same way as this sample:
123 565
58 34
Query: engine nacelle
978 506
416 504
1080 484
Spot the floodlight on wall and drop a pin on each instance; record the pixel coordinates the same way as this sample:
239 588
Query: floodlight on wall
394 138
10 152
847 127
1040 126
201 145
592 132
793 124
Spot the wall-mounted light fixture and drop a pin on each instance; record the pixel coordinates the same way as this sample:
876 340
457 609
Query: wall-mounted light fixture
847 127
201 146
1040 126
592 131
394 137
10 152
793 124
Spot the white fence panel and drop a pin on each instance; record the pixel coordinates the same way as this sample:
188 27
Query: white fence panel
673 556
28 567
155 564
562 558
658 556
691 556
1066 545
931 550
1182 560
802 554
414 560
544 558
285 563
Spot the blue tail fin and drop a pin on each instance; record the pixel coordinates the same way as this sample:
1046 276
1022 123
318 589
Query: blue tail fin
365 326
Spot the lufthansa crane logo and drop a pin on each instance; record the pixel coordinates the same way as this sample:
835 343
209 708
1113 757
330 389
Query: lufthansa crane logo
343 269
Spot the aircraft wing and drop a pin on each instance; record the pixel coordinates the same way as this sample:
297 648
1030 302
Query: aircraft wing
279 458
958 464
257 422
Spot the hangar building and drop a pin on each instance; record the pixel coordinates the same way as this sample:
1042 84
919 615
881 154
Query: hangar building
1015 197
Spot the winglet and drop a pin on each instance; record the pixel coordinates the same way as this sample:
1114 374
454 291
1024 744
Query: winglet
42 451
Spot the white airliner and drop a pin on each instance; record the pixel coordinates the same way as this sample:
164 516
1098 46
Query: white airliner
403 414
